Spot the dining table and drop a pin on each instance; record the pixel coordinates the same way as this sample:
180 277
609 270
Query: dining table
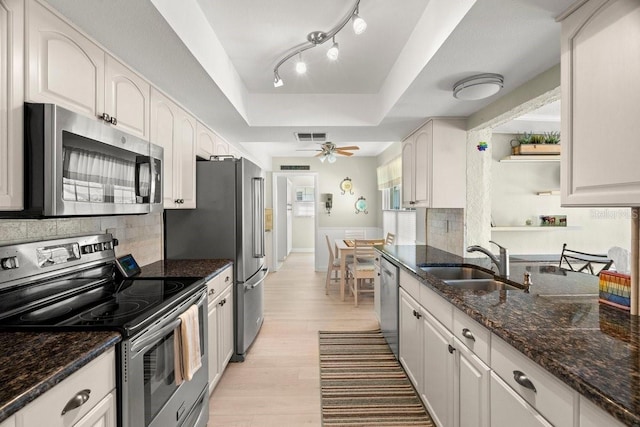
344 248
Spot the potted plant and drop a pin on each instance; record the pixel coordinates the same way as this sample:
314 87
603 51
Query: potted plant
530 143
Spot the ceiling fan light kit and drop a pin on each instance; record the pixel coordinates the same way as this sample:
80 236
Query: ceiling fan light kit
316 38
477 87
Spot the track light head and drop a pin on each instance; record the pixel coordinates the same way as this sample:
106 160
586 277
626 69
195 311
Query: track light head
359 24
334 51
301 67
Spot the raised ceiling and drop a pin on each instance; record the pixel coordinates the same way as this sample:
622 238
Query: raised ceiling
216 57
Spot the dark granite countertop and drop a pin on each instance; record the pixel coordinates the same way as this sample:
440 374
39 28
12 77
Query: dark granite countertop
593 348
201 268
31 363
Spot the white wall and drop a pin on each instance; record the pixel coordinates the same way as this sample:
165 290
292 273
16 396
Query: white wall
514 200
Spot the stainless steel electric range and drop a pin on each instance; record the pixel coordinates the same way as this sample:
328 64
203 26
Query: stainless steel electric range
73 284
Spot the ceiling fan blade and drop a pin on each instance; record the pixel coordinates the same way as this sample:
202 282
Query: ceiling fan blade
344 153
350 147
307 149
319 154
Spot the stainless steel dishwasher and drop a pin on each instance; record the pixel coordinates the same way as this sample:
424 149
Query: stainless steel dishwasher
389 303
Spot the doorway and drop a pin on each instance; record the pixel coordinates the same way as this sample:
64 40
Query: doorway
295 220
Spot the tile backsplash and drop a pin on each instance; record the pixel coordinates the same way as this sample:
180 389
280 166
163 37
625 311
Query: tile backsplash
445 230
140 235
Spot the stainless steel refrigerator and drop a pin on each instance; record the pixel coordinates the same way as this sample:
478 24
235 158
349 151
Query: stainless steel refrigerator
228 223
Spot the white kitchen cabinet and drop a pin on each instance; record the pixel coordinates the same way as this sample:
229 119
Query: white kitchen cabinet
66 68
434 165
544 392
507 407
209 143
410 338
593 416
600 96
11 104
9 422
175 130
96 381
471 388
220 326
437 390
127 98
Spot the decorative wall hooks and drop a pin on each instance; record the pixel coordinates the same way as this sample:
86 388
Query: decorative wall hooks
346 186
361 205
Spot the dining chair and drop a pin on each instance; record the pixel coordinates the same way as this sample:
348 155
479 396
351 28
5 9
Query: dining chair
333 268
362 268
583 261
390 239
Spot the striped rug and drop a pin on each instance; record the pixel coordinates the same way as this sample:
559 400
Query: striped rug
362 384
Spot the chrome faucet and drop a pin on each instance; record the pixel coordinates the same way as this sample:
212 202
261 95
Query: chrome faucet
502 263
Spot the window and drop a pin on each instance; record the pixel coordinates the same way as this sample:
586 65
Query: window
304 208
402 224
305 194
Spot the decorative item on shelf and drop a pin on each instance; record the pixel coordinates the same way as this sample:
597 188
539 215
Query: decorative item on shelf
482 146
528 143
615 289
346 186
361 205
553 220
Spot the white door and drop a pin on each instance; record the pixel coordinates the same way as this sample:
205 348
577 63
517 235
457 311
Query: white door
410 339
471 388
438 370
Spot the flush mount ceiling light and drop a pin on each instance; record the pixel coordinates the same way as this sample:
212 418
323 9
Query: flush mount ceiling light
316 38
478 87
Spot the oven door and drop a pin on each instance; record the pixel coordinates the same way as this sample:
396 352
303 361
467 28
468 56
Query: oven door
150 396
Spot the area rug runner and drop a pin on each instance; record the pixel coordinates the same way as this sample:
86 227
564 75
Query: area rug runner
362 383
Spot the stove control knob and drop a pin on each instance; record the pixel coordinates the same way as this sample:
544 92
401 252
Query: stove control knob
106 246
97 247
88 249
9 263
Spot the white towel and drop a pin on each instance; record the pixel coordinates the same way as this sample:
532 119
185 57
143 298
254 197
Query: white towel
187 345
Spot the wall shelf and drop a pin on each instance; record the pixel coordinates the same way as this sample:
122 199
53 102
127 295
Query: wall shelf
531 158
535 228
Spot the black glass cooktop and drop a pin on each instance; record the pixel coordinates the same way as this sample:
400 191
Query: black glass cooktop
119 305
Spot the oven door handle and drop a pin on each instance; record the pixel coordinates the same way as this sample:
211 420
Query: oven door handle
174 324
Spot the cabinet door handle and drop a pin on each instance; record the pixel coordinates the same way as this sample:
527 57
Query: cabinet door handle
105 117
114 121
414 313
467 334
451 348
522 379
76 401
418 315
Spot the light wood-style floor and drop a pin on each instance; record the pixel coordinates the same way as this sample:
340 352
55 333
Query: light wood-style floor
279 382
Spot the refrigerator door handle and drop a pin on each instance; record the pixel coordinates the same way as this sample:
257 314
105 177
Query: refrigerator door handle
258 217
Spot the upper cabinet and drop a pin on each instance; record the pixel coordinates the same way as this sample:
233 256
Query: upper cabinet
11 99
434 165
210 144
68 69
600 95
175 130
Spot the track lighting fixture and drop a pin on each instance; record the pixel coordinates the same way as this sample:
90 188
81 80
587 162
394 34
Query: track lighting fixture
316 38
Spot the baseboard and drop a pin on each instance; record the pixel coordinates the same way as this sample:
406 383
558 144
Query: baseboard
304 250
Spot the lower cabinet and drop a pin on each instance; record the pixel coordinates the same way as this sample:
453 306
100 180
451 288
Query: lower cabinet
220 327
93 385
410 338
507 406
471 388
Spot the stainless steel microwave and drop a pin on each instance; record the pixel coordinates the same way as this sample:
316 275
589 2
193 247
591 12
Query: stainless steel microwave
76 166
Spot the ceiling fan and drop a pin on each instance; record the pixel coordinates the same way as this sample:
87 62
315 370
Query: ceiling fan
328 150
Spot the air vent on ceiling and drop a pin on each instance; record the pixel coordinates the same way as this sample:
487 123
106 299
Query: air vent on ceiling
311 137
295 167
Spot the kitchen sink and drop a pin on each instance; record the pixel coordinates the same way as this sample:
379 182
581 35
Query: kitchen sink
480 285
457 273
